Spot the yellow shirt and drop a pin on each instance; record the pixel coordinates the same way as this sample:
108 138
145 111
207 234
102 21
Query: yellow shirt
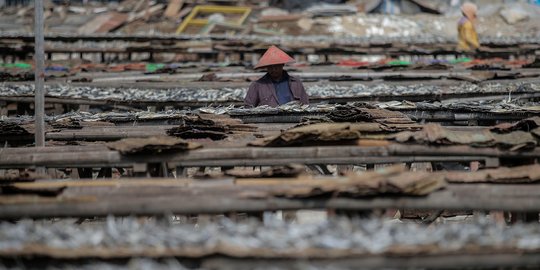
468 39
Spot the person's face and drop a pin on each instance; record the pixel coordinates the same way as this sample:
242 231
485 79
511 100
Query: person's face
472 15
275 71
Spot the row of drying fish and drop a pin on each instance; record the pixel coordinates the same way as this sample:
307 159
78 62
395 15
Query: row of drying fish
491 106
290 40
368 236
118 116
237 94
289 108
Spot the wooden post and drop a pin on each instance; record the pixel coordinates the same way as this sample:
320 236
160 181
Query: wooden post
39 75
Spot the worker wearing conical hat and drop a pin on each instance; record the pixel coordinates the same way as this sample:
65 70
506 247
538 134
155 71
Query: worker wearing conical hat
468 38
276 87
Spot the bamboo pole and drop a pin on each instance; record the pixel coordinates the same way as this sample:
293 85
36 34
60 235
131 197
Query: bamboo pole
394 153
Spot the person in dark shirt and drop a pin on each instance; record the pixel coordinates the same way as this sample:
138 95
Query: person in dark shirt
276 87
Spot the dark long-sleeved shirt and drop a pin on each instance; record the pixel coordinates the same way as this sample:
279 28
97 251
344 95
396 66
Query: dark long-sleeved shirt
263 92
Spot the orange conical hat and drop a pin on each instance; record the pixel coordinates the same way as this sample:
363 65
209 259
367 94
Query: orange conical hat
274 56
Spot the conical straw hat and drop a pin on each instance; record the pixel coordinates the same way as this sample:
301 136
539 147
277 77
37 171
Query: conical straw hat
274 56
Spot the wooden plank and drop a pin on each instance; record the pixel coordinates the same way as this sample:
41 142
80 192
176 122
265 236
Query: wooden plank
173 8
104 23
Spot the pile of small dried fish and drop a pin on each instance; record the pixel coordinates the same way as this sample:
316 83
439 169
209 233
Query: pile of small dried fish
506 105
116 116
128 94
290 40
291 107
238 94
369 236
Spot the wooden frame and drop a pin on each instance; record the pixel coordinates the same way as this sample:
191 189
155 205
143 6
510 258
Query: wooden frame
191 18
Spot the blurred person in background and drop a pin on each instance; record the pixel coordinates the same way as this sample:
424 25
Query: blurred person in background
276 87
467 36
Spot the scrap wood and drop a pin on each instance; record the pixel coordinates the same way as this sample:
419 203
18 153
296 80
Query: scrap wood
104 23
279 18
436 134
154 144
513 175
145 13
173 8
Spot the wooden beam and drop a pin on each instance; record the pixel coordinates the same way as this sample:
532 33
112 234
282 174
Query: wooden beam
213 202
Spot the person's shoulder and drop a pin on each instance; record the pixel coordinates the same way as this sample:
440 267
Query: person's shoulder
258 83
467 24
262 79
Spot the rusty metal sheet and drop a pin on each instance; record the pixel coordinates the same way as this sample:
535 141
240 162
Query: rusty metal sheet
320 133
390 180
521 174
436 134
11 128
198 128
154 144
525 125
515 140
416 183
536 132
359 112
275 171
